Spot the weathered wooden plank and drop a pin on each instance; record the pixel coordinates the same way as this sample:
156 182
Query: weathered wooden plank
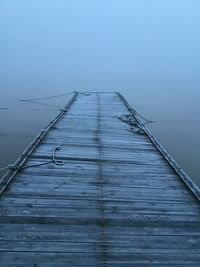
88 247
71 234
107 264
91 214
96 212
123 222
45 182
68 184
142 206
69 259
97 192
27 230
112 211
154 258
80 247
57 171
131 179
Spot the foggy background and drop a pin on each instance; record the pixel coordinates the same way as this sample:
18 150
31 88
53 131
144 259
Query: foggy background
146 49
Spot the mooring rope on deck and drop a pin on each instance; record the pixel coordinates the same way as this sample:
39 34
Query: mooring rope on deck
53 160
135 127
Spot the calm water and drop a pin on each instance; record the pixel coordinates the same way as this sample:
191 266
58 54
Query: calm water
147 50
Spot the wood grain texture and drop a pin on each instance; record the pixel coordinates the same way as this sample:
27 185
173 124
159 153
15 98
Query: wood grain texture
116 201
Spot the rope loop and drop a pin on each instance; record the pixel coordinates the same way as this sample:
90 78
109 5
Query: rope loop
57 162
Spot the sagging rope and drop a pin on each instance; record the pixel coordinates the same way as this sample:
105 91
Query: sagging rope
48 97
53 160
137 114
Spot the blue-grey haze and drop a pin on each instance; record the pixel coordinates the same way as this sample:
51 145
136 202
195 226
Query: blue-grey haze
146 49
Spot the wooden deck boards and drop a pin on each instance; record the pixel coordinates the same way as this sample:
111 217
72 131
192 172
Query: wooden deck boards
116 201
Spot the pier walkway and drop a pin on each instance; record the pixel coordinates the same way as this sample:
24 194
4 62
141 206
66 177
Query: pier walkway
96 189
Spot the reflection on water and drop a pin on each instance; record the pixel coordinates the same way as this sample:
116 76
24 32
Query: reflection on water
176 127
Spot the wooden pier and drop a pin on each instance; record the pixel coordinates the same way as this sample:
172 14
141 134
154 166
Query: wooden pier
96 189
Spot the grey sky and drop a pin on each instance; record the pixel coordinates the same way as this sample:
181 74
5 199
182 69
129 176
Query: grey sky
104 44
